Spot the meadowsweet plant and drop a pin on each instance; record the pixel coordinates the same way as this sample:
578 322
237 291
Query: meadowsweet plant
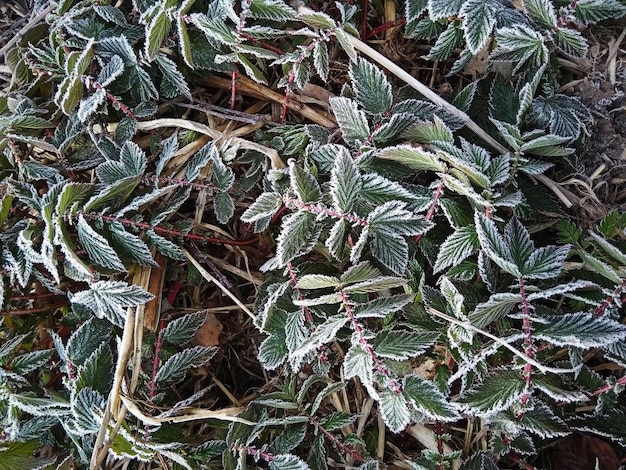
418 264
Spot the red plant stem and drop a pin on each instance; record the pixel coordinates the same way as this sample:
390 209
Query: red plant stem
294 281
176 233
385 27
155 362
251 450
440 450
433 206
28 311
331 437
174 292
617 293
366 7
267 46
381 368
89 82
608 388
328 212
233 89
182 182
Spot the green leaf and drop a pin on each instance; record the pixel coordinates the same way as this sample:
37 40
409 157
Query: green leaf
382 306
458 246
391 250
324 333
402 345
166 247
571 42
494 245
89 105
442 9
156 32
97 247
479 18
375 284
27 362
580 329
174 83
84 407
545 263
481 460
181 330
495 393
321 60
304 184
266 205
352 121
110 299
592 11
273 10
97 371
337 420
541 12
337 237
316 281
131 245
414 157
343 39
345 182
359 363
496 307
316 19
223 206
520 45
371 88
538 419
184 43
287 462
272 352
176 367
394 410
446 43
610 249
19 456
428 399
600 267
85 339
299 234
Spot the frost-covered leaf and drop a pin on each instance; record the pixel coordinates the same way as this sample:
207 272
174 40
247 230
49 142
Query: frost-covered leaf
181 330
520 45
571 42
299 234
97 371
274 10
479 18
447 42
174 83
415 157
440 9
86 339
345 182
88 408
97 247
392 251
382 306
287 462
156 32
223 207
351 120
323 334
321 60
176 367
546 262
394 410
131 245
109 299
580 329
303 184
316 281
496 307
458 246
264 206
371 88
495 393
426 397
337 420
542 13
272 351
401 345
166 247
592 11
27 362
494 245
358 363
